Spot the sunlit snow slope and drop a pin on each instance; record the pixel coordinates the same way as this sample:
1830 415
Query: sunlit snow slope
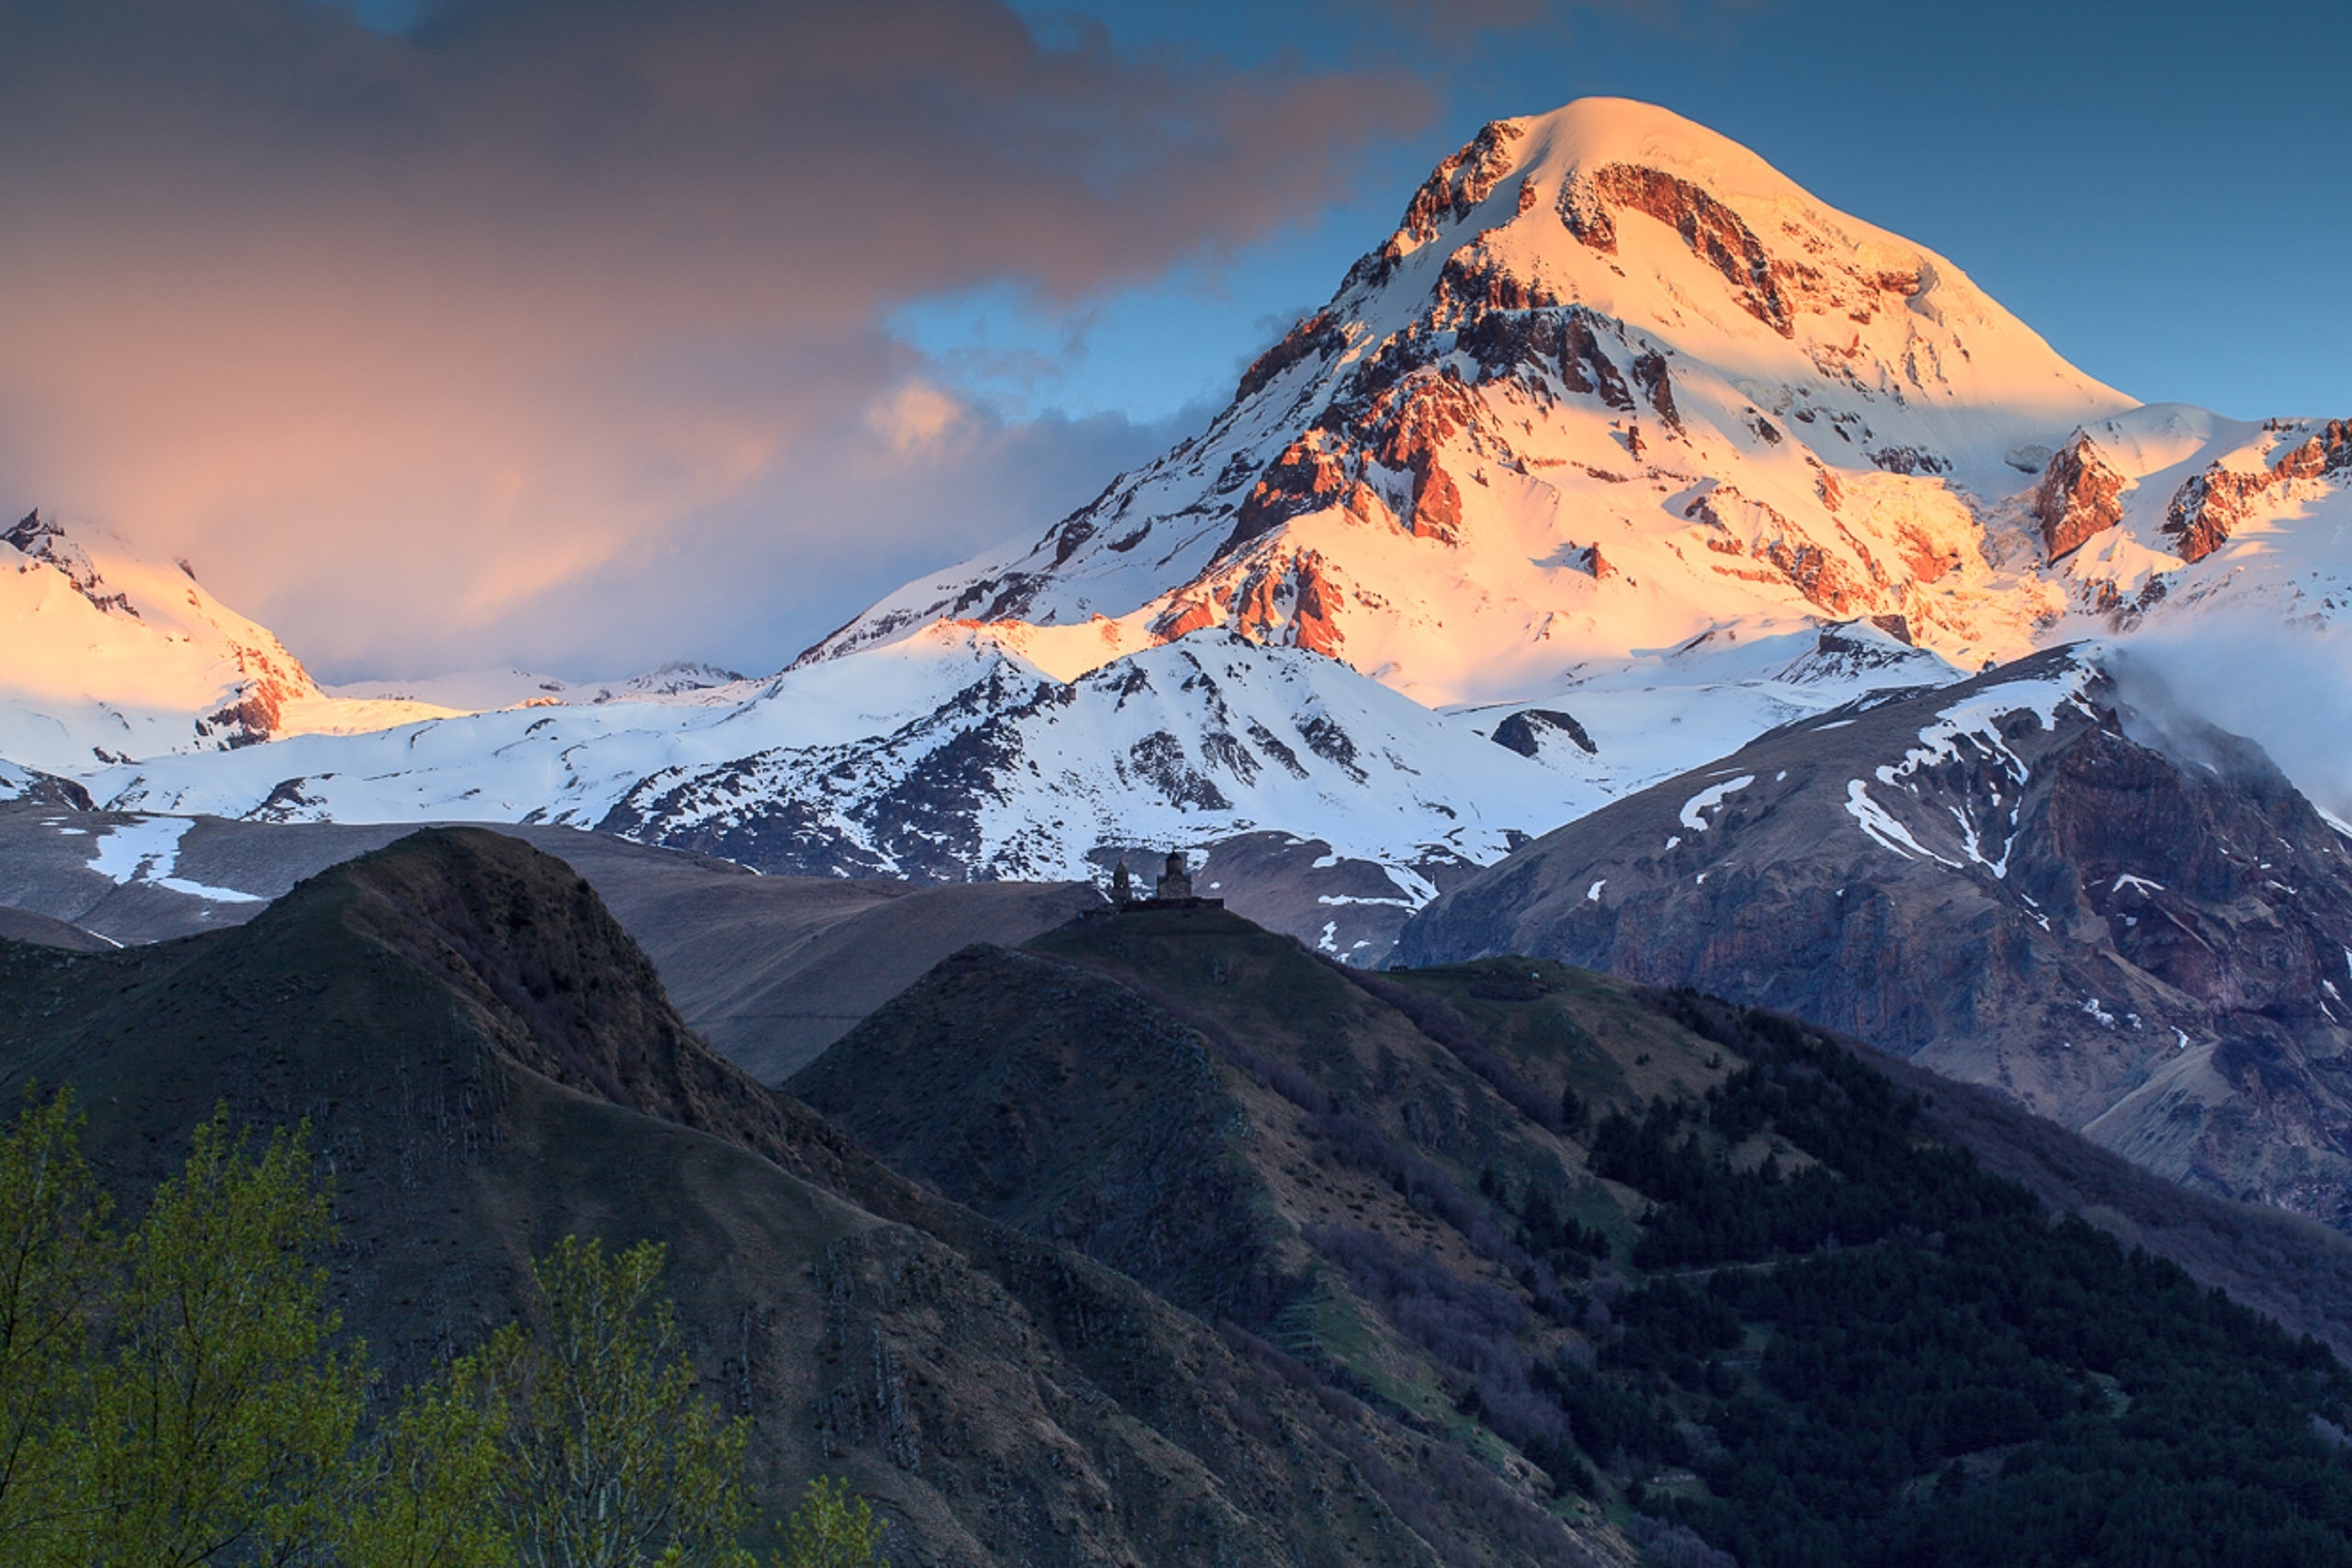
106 653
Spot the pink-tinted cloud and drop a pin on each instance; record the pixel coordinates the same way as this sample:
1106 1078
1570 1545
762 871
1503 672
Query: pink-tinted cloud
422 345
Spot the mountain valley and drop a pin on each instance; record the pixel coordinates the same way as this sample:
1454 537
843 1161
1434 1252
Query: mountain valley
2135 928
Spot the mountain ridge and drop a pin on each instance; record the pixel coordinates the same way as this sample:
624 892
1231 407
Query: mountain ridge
2023 882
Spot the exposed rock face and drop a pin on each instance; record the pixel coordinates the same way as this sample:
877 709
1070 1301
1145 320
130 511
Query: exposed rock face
252 719
1763 283
1317 335
2079 497
2020 882
1456 185
1309 473
1824 576
2209 505
43 538
1286 600
32 787
1909 460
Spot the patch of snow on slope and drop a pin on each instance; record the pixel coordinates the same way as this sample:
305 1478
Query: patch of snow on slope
1694 809
147 848
129 851
1888 832
1976 719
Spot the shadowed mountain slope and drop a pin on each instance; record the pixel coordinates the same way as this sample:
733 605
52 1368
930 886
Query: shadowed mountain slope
2135 927
1539 1214
24 925
487 1062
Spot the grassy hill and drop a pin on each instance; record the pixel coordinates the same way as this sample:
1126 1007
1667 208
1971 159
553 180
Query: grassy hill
1679 1266
486 1063
1159 1240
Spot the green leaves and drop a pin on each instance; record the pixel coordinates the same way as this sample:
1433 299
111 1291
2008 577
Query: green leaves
834 1528
219 1420
56 1257
612 1457
425 1491
177 1395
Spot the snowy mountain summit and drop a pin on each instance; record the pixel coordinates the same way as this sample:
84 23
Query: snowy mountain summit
1613 383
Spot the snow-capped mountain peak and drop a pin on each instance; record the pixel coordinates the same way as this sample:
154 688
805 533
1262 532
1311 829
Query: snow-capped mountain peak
1671 223
1613 381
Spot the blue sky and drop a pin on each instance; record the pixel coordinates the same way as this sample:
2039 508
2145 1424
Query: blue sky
2157 188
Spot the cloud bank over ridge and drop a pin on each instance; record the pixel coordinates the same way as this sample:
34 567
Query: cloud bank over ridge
555 330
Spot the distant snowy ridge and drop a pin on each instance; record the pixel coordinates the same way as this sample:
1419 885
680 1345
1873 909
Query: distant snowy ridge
486 691
108 654
947 755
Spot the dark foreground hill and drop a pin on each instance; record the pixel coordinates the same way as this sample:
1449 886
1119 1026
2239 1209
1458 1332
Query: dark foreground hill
1161 1241
1637 1248
487 1062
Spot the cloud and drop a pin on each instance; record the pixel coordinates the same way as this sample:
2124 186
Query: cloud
2286 687
450 340
916 417
1461 27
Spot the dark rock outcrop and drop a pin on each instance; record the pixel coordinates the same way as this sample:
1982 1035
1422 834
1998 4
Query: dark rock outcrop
1523 731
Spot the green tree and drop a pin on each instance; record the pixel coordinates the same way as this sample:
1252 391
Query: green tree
425 1491
178 1397
57 1257
612 1458
834 1528
217 1422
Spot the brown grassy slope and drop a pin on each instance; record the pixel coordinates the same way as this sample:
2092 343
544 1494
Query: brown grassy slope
43 931
1204 1105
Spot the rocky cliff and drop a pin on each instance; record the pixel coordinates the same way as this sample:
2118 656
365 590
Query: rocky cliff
2134 926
